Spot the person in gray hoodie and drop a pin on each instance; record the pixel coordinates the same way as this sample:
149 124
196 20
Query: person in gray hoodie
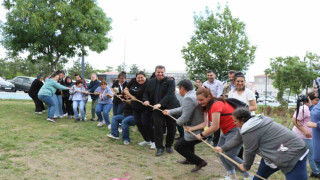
279 147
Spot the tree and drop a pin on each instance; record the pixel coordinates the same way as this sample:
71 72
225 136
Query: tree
133 69
76 69
55 30
121 67
290 73
219 43
109 69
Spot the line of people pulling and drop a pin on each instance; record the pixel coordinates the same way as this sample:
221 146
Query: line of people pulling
200 112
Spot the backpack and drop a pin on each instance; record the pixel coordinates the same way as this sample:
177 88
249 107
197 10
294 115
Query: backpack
235 103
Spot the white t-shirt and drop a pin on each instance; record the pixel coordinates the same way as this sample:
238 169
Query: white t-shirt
245 97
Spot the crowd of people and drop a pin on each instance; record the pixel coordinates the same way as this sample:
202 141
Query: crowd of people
220 113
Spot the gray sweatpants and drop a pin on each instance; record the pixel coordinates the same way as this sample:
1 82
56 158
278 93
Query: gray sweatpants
229 166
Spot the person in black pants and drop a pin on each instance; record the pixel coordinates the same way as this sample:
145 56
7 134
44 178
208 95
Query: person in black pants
66 94
142 114
191 116
33 93
160 93
117 88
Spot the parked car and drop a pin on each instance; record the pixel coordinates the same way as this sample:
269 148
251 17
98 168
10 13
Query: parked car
22 83
6 85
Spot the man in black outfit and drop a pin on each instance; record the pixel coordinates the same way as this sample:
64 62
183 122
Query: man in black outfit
160 93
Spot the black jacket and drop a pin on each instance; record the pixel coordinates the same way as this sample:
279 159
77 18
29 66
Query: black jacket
167 98
35 87
92 87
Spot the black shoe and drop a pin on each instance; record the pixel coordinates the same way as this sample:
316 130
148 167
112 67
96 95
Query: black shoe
197 168
183 162
169 150
77 120
177 138
92 119
159 152
83 120
315 175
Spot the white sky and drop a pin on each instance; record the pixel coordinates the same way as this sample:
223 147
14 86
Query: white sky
155 31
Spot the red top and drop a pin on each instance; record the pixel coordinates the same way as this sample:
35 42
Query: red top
226 122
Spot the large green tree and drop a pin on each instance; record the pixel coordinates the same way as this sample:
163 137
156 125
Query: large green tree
292 74
219 43
54 30
133 69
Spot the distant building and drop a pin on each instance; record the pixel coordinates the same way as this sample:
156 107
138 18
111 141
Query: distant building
260 85
178 76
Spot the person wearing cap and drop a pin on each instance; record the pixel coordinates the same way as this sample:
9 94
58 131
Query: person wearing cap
315 124
190 115
33 93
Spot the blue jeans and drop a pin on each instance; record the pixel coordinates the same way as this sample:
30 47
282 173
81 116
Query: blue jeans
117 109
299 172
105 108
125 121
232 153
50 102
312 163
81 105
58 111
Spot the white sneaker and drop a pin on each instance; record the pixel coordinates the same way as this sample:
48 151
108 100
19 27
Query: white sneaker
65 115
100 124
43 111
153 146
51 120
55 117
144 143
112 136
109 126
61 117
119 129
38 112
126 142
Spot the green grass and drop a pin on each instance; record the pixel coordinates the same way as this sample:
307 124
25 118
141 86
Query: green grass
33 148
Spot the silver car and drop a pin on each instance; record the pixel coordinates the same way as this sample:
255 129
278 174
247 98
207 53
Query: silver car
6 86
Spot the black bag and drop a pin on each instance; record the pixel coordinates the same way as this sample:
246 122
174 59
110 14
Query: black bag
235 103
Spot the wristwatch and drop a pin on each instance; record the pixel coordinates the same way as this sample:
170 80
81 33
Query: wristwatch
201 135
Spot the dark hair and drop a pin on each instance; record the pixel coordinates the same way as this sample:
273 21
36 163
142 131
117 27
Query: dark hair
210 71
61 71
312 95
302 98
53 75
79 82
242 114
239 74
122 74
186 84
160 67
199 79
205 92
140 73
232 72
103 82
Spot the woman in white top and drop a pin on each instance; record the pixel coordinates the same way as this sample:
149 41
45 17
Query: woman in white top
242 93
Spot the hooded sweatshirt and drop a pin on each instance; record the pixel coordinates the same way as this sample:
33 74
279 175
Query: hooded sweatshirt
279 146
49 87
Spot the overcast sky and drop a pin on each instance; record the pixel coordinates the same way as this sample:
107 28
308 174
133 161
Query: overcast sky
155 31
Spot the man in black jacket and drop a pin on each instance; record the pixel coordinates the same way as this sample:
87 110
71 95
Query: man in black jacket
94 84
160 93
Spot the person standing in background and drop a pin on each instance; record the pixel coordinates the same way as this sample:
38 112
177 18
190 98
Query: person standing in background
229 86
33 93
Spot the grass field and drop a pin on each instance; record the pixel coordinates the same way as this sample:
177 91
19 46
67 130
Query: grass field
33 148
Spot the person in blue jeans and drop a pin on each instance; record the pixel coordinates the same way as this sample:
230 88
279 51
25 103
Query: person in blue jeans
104 103
126 120
300 119
46 93
315 124
279 147
78 96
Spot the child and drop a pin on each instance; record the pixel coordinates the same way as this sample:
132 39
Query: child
104 103
79 98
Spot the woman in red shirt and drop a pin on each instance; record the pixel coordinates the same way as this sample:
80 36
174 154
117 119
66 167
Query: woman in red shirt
218 114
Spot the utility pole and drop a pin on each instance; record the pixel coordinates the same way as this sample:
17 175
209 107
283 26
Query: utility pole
82 67
265 96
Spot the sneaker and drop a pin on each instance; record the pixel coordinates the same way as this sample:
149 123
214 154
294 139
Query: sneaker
144 143
51 120
119 129
153 145
38 112
55 117
109 126
70 117
125 142
100 124
76 120
112 136
92 119
228 178
61 117
83 120
65 115
43 111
